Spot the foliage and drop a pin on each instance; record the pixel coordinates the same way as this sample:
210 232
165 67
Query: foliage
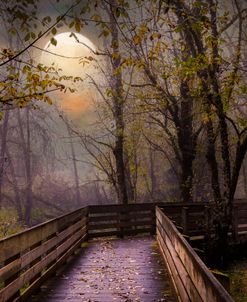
171 98
22 78
9 223
238 278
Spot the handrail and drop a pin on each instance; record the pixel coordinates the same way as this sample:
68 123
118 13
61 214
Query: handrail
190 277
29 257
196 219
121 220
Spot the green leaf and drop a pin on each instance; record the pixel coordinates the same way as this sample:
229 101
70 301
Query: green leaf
54 41
104 33
46 19
77 26
54 31
71 24
27 37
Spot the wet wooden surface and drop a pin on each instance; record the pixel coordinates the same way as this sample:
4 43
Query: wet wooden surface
115 270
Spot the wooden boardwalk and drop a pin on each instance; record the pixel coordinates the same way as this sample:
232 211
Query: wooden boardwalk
114 270
121 270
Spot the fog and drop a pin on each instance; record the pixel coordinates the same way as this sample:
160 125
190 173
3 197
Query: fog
104 103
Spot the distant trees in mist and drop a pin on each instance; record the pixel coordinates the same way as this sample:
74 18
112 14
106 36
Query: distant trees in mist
171 109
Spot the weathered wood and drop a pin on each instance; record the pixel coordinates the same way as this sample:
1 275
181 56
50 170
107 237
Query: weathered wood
100 218
122 208
51 270
198 223
121 220
112 270
203 281
20 242
131 223
195 222
114 232
28 255
111 233
26 259
25 277
93 220
31 256
176 275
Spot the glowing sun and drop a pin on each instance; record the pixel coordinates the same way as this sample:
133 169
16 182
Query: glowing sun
69 51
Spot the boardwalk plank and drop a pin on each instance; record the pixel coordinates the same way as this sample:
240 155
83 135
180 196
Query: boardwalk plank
115 270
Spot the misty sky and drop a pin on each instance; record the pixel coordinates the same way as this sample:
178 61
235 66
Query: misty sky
79 106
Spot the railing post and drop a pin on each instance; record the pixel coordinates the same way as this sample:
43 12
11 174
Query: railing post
87 223
153 214
121 219
16 295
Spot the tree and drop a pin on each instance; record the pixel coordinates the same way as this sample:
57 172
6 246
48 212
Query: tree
191 83
220 91
23 79
74 159
163 91
114 97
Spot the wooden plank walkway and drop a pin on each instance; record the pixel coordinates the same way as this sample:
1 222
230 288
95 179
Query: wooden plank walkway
121 270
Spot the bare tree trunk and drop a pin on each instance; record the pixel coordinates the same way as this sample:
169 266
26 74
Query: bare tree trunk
76 177
29 193
4 132
130 180
117 87
152 173
26 148
186 144
15 187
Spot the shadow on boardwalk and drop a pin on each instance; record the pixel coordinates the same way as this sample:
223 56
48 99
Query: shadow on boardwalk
116 270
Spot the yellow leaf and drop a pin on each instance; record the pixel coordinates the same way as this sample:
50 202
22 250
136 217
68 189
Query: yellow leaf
143 29
115 55
96 18
77 26
137 39
48 100
155 36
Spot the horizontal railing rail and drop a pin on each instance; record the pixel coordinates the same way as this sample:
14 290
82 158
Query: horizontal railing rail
197 219
191 217
240 219
121 220
29 257
190 277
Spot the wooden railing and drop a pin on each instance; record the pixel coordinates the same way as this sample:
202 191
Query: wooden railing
190 277
121 220
28 258
196 219
192 219
240 219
